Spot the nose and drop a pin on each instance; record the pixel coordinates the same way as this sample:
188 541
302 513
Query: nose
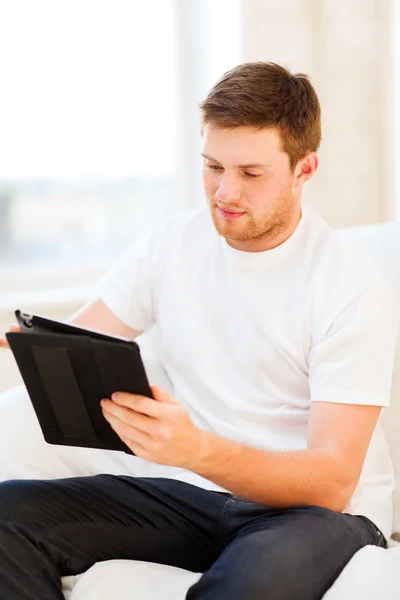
229 189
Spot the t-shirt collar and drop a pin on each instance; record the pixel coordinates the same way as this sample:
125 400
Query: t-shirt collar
265 258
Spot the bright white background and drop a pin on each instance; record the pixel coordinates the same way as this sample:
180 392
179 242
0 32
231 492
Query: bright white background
86 89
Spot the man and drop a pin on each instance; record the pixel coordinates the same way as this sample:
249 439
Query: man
279 342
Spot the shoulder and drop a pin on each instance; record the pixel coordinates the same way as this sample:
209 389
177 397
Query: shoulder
344 277
183 223
184 235
335 258
180 227
194 225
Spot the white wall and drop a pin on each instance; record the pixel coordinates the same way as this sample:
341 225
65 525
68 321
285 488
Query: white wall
347 46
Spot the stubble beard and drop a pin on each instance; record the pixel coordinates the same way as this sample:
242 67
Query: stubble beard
247 227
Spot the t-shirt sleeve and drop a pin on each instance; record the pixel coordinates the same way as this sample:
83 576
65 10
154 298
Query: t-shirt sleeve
353 362
128 289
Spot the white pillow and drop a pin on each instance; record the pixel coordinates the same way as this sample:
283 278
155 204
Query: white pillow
115 580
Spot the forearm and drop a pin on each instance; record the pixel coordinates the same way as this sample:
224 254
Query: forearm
276 479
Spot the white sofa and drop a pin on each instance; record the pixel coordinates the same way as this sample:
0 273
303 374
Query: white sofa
372 573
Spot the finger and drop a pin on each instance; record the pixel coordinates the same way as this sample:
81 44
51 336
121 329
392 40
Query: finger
140 404
137 449
127 416
161 395
15 327
127 433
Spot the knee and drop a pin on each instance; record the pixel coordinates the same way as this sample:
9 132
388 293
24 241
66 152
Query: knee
248 585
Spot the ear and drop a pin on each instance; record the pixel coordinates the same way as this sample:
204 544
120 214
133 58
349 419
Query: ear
305 169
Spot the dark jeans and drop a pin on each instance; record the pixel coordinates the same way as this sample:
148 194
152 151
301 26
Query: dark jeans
246 551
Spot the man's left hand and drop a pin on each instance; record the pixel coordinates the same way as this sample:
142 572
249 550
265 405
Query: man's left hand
158 429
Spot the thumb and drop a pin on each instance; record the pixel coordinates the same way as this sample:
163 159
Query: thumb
161 395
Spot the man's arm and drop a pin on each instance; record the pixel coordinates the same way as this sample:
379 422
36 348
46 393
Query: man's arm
325 474
96 315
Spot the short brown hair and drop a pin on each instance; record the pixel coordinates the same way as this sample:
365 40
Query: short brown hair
266 95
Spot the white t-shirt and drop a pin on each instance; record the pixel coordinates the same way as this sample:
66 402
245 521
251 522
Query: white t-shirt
249 340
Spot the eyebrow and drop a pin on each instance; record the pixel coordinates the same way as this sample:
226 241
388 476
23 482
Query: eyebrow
249 166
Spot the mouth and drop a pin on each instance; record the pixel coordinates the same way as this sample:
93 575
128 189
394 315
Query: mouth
230 214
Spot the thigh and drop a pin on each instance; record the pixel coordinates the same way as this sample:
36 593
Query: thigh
281 555
83 520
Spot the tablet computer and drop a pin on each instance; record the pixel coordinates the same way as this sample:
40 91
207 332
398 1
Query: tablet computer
67 370
31 323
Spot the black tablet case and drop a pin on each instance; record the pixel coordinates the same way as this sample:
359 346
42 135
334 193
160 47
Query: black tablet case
66 376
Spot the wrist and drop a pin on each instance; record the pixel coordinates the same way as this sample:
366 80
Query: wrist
204 448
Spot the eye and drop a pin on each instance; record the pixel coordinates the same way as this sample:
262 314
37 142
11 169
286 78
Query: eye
254 175
213 167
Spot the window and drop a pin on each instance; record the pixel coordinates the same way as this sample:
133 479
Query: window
87 118
99 127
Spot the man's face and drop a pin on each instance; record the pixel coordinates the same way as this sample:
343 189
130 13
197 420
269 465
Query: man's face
249 186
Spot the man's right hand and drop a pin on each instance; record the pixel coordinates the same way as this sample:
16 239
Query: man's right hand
3 341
